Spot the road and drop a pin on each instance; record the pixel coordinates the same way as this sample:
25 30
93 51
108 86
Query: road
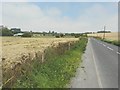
99 68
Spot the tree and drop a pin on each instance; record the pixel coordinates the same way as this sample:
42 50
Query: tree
15 30
5 32
57 36
49 32
104 32
53 33
72 34
44 33
77 35
27 34
61 35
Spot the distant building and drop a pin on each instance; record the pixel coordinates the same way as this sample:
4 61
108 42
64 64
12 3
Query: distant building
18 34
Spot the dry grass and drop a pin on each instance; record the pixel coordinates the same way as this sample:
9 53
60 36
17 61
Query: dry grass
109 36
14 47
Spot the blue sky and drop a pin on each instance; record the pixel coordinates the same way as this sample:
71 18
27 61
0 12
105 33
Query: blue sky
60 0
73 9
61 16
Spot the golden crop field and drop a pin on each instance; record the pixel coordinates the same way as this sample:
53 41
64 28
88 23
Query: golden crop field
14 47
109 36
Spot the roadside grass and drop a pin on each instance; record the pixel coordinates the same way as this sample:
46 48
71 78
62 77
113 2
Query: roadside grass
117 43
114 42
55 72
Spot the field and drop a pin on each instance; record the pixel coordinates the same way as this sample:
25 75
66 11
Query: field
109 36
57 71
15 47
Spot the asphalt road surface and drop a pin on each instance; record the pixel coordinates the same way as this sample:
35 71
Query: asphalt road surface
99 68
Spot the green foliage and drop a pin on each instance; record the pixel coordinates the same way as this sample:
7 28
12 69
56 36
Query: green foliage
57 36
104 32
77 35
84 35
117 43
5 32
27 34
44 33
98 38
114 42
16 30
56 71
61 35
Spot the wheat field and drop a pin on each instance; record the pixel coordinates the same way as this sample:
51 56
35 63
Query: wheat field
14 47
109 36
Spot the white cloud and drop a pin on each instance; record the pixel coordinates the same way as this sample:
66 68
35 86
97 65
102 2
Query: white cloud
53 12
31 17
97 16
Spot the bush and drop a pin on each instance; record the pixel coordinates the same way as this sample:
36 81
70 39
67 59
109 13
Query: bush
61 35
77 36
57 36
27 34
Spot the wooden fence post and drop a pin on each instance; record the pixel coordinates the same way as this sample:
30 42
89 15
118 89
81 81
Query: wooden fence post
69 46
43 56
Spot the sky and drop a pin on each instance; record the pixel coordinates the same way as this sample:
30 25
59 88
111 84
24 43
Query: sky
60 16
59 0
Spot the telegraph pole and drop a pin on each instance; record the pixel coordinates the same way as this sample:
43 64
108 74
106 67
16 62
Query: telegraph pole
104 32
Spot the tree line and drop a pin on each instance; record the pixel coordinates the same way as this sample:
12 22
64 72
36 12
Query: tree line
4 31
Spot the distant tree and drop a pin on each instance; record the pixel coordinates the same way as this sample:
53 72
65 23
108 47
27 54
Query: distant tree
61 35
53 33
88 32
77 35
5 32
44 33
36 32
104 32
57 36
15 30
72 34
27 34
49 32
67 34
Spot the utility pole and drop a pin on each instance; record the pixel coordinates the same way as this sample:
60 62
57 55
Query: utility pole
104 32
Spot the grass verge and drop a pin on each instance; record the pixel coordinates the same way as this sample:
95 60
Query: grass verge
117 43
55 72
114 42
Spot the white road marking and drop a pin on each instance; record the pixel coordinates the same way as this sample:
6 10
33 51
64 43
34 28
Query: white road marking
98 76
118 53
110 48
